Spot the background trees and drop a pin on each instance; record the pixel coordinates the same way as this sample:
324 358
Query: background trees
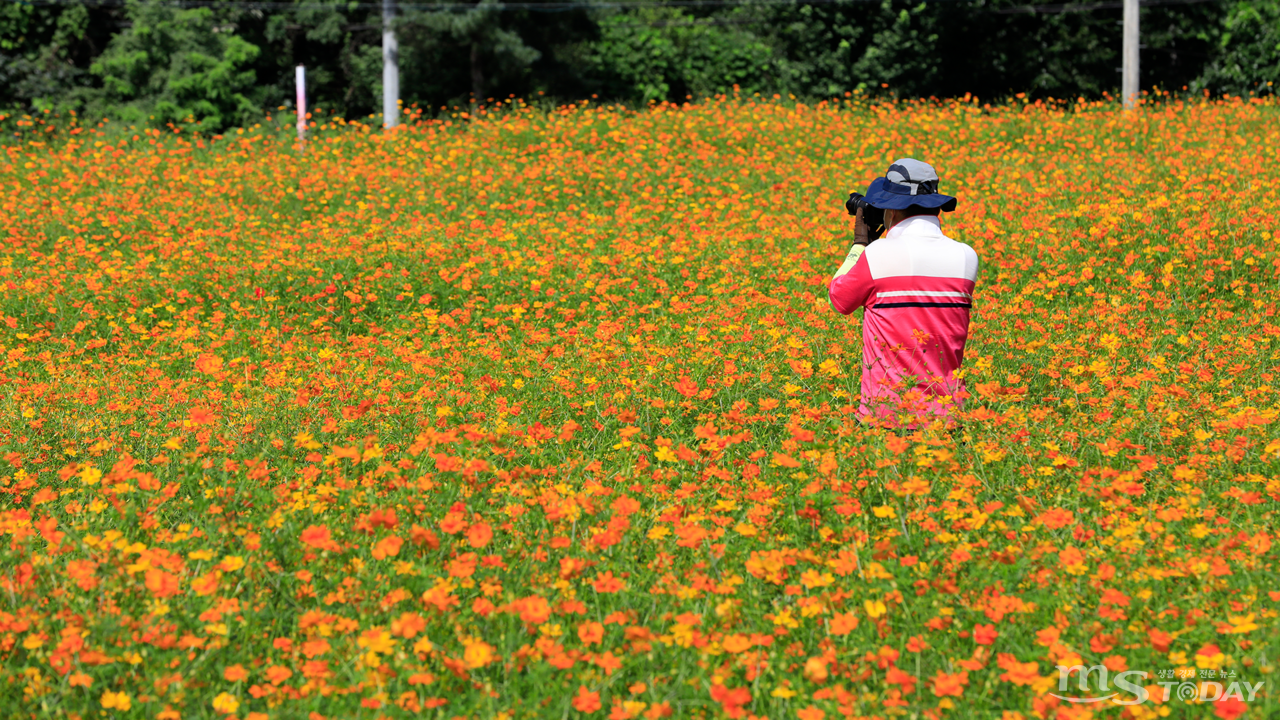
224 61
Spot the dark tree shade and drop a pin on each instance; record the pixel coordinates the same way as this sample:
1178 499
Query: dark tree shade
225 63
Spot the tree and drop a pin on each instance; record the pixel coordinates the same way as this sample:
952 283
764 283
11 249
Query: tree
657 54
172 64
452 55
45 53
1248 59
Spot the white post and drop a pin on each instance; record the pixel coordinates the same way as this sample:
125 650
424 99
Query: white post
1129 77
300 81
390 67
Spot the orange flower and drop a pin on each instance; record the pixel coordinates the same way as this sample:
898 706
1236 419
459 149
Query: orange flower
453 523
607 583
82 573
1160 640
208 363
387 547
1018 673
843 623
477 653
608 662
162 584
586 701
1048 637
985 634
479 535
201 416
591 632
533 609
408 625
1230 708
206 584
1056 518
897 677
312 648
945 685
318 537
815 669
731 699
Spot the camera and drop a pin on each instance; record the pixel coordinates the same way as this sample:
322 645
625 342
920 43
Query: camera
872 216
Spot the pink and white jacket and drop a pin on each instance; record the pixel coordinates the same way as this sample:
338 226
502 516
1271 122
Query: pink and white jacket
917 287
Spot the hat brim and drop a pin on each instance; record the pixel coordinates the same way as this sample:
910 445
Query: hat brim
881 196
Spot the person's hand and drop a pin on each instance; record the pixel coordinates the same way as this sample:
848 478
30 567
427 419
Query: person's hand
860 231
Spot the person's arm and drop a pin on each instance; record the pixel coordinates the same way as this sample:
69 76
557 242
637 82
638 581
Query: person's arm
848 294
851 287
851 259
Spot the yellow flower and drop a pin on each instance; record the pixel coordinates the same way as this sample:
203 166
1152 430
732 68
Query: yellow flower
874 608
226 703
377 640
786 619
1242 624
90 475
814 579
876 571
116 700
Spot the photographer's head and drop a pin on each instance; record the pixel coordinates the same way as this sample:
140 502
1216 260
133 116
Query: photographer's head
909 188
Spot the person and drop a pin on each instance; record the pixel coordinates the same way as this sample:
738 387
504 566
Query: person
917 287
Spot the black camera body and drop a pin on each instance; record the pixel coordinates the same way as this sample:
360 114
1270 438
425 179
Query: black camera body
872 216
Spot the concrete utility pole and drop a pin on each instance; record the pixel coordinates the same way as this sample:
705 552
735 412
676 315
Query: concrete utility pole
1129 77
390 67
300 80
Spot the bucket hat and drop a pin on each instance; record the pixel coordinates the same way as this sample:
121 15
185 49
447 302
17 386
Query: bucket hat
908 182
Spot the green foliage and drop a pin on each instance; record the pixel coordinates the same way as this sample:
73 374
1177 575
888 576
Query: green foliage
491 53
656 54
1249 57
172 64
820 44
45 51
453 57
225 64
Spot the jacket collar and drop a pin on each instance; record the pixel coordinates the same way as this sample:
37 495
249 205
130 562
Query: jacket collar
918 225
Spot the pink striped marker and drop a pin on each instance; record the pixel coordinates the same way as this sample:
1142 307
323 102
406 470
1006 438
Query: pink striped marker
300 79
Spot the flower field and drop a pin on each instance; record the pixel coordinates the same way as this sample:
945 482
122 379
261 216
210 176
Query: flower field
545 414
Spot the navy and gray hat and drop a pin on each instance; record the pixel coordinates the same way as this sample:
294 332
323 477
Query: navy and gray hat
908 182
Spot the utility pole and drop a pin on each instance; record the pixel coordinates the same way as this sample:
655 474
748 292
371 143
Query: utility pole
390 67
1129 75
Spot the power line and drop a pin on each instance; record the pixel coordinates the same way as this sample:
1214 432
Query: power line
1060 8
553 5
561 6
